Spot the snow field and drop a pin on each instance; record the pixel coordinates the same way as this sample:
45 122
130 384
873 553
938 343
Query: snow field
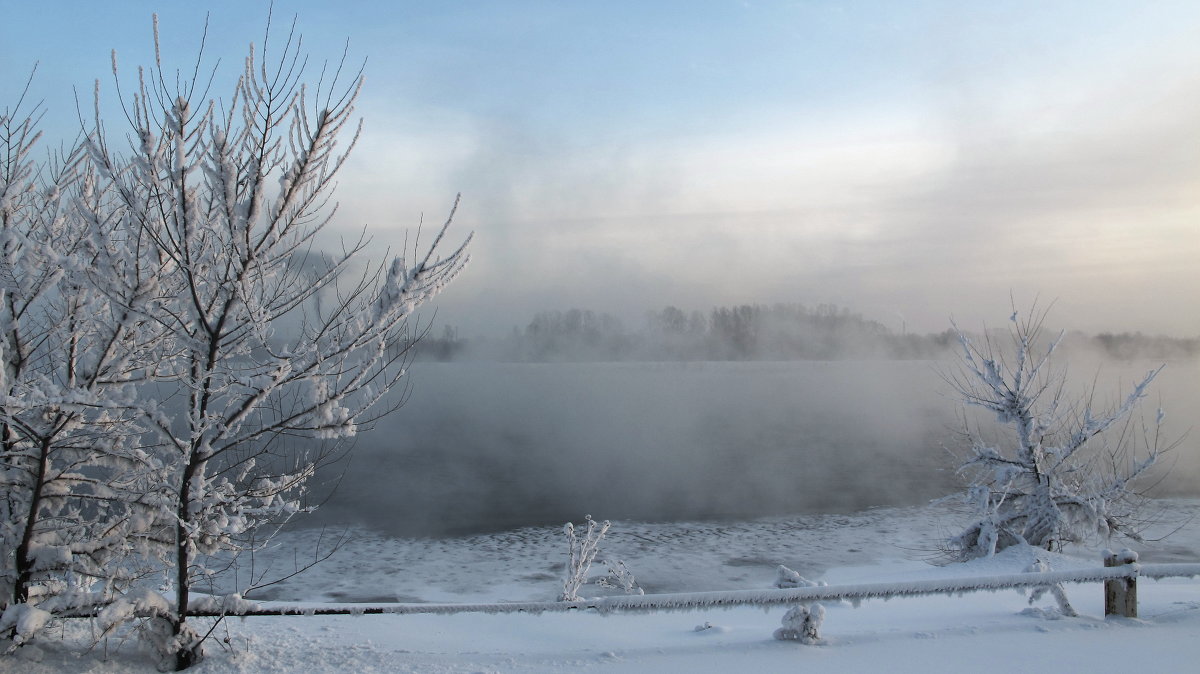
992 631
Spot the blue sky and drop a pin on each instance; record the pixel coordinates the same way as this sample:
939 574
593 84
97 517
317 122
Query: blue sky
910 160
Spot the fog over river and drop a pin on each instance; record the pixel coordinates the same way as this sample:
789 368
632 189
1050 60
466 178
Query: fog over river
485 446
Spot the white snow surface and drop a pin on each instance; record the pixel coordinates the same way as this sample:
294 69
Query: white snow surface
989 631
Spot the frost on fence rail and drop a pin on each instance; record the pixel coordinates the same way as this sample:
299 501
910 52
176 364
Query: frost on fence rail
802 623
693 601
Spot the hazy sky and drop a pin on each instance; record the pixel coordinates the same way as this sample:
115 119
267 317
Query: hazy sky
910 160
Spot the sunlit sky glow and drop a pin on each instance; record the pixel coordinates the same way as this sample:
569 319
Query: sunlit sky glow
910 160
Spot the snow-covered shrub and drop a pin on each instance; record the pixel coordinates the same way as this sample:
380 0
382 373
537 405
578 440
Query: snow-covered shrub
581 552
619 578
802 623
1056 590
1057 477
786 578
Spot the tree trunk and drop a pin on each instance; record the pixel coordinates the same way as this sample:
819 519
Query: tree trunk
23 565
186 655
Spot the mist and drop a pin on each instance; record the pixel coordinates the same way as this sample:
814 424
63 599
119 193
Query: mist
484 446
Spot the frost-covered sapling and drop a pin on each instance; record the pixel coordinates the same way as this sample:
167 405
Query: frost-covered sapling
581 552
1064 471
229 197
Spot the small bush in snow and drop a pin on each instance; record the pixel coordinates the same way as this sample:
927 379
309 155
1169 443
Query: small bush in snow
802 623
581 552
786 578
1056 590
619 578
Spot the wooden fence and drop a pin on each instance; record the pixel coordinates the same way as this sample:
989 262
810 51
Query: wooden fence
1119 574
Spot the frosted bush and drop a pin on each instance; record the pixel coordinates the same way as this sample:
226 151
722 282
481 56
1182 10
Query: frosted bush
581 552
802 623
619 578
1056 590
786 578
1055 477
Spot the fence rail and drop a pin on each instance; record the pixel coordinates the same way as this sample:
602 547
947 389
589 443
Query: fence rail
693 601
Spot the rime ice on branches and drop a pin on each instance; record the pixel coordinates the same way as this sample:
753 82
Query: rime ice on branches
1063 471
179 359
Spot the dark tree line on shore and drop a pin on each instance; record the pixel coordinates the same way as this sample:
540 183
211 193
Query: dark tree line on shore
747 332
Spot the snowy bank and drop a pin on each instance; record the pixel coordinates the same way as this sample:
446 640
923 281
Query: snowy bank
996 630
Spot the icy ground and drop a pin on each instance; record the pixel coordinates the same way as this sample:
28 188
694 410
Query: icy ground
980 631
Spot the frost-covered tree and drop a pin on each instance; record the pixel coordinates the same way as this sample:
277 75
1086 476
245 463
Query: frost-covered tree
257 380
151 408
1063 471
79 493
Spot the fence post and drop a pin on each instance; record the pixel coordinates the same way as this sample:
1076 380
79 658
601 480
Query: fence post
1120 594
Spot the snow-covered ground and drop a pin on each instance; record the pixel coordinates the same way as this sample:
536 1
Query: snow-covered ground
996 631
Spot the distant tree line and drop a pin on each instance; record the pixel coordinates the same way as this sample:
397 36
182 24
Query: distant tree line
746 332
743 332
1130 346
